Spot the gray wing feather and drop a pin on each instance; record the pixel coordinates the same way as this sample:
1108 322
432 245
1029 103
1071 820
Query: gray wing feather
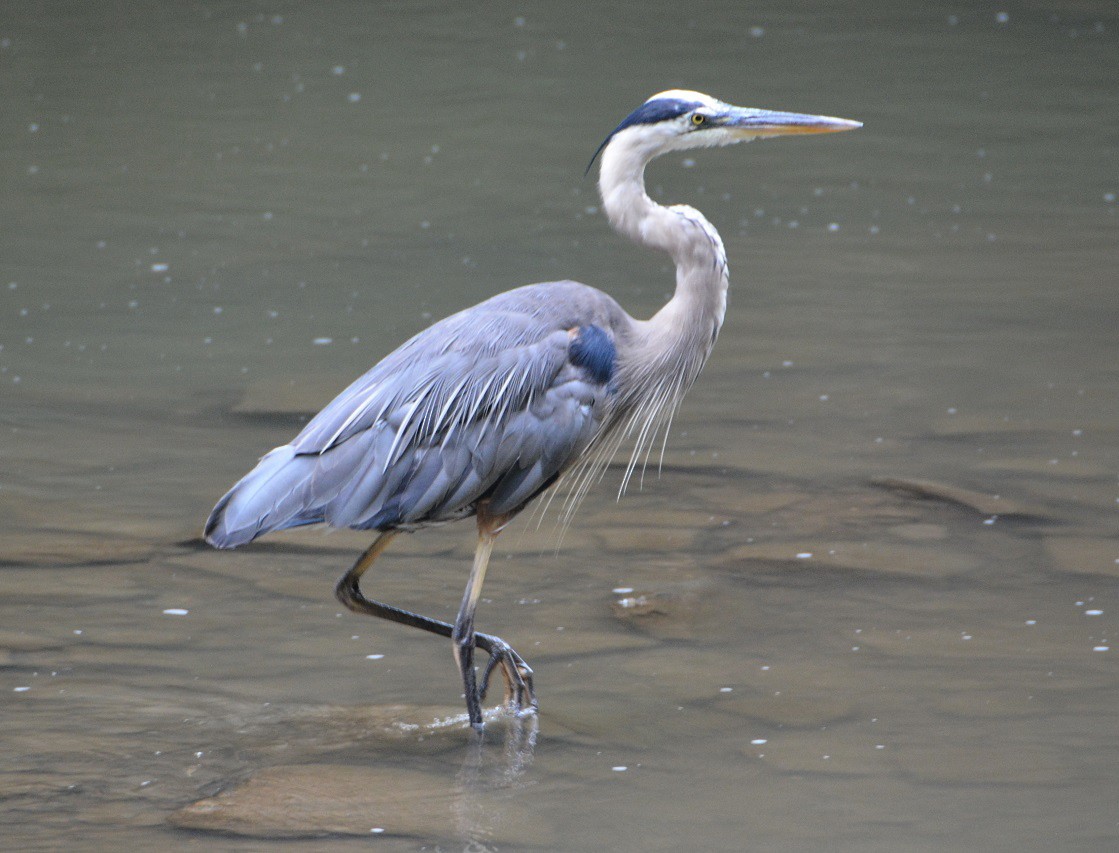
485 403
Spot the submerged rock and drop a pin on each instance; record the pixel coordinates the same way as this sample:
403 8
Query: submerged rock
671 613
787 711
876 557
981 502
284 395
71 548
312 800
1084 555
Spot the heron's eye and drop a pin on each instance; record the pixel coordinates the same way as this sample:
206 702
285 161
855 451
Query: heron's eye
698 119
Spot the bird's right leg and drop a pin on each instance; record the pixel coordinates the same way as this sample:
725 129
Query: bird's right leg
519 693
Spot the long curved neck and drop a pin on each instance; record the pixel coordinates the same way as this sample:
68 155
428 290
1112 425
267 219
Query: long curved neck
697 307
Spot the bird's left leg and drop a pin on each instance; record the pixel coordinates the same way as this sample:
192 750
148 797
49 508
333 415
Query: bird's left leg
519 693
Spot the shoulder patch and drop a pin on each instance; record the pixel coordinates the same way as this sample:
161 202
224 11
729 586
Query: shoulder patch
594 351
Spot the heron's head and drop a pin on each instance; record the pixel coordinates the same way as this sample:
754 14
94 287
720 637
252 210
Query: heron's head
678 119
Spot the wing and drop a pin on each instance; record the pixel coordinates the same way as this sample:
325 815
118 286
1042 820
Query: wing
491 403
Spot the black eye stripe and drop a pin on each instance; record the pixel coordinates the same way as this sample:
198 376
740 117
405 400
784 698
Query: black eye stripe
650 112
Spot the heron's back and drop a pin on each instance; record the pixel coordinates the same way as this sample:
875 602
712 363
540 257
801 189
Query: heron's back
492 403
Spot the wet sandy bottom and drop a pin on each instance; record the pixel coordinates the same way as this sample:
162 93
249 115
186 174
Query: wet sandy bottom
871 655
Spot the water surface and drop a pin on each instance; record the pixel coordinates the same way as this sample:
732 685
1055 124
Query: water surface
817 628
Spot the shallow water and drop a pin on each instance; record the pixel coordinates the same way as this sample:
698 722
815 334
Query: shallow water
816 628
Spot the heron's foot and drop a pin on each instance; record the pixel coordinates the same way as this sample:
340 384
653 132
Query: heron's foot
520 695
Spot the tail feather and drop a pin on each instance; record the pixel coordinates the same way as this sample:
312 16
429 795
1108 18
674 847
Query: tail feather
273 496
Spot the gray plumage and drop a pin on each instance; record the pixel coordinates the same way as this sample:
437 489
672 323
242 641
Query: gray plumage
485 403
481 412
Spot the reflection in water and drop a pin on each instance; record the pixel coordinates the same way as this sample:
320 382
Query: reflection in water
486 770
844 640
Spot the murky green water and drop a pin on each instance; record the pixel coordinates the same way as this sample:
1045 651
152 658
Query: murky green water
217 214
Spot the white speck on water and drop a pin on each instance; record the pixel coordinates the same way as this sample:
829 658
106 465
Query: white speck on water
622 590
175 611
1100 648
824 398
804 555
322 342
759 741
353 97
833 227
757 32
953 20
161 267
621 768
1109 198
78 631
880 746
688 163
21 689
1093 613
338 70
374 657
1031 621
1002 17
726 689
266 216
218 309
1080 604
965 636
377 830
991 520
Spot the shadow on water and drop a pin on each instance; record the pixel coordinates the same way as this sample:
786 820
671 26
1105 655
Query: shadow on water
868 604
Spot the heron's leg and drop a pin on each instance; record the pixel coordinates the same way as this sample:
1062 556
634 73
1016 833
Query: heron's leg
463 638
518 676
349 593
519 693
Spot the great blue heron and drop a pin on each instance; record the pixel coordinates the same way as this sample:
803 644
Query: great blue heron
484 410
